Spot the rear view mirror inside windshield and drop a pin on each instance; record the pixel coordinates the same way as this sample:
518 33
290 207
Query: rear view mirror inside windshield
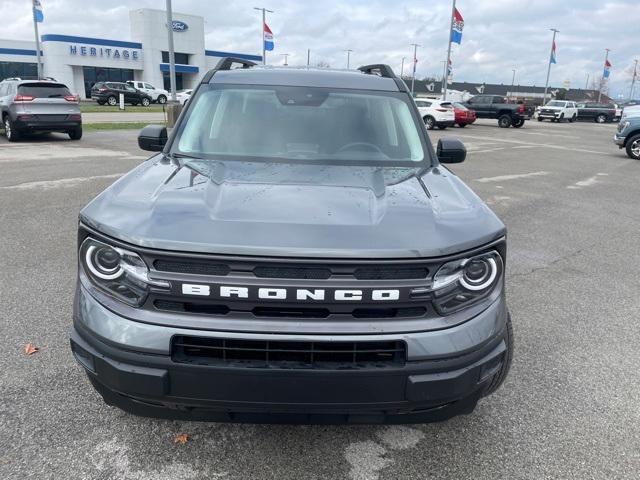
301 97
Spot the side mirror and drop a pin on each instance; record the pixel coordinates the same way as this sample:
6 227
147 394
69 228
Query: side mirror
451 150
152 138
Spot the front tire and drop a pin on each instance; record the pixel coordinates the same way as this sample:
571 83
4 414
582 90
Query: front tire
145 102
112 101
75 134
633 147
601 118
540 119
573 118
429 122
162 99
462 125
518 123
504 121
101 102
442 127
501 375
13 135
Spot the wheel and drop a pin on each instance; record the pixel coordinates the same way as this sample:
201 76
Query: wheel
134 104
500 376
504 121
429 122
113 101
145 102
442 127
540 119
101 102
633 147
573 118
518 123
75 134
601 118
462 125
561 118
162 99
13 134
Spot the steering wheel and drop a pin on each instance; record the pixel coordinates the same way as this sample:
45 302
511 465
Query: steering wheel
366 145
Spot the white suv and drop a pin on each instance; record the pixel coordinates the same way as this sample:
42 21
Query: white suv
158 95
436 113
558 110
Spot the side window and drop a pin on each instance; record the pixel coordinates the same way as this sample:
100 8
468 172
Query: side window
130 88
3 89
148 85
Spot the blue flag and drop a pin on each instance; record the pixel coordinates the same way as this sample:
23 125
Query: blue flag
456 27
37 11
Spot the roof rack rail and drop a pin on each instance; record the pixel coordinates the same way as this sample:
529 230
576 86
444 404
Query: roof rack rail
225 64
378 69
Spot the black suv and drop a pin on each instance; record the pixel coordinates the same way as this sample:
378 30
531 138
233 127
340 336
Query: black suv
109 93
596 112
296 252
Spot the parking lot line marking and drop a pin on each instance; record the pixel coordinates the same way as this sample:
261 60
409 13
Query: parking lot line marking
551 134
587 182
62 182
557 147
487 150
510 177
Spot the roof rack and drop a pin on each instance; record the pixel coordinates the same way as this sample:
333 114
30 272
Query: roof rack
379 69
225 64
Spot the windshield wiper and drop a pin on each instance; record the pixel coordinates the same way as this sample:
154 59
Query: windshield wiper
184 155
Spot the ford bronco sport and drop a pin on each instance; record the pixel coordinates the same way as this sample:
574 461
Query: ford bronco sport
295 252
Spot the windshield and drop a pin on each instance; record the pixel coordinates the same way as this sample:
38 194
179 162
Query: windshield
305 124
556 104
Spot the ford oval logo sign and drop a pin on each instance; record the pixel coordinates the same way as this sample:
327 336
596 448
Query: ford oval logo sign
178 26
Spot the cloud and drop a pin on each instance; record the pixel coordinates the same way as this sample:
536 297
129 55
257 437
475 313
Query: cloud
499 35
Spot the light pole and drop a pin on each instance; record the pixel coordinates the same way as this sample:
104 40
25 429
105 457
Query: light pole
286 57
264 22
415 61
308 56
402 67
546 84
633 79
606 58
446 65
513 80
586 85
172 60
348 50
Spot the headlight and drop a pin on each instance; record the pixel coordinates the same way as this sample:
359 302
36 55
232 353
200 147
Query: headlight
464 282
118 272
622 126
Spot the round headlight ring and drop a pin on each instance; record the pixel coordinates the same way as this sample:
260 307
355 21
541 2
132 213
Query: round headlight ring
104 272
487 278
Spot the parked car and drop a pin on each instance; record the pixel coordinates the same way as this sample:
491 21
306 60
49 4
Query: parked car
158 95
436 113
294 253
496 106
628 136
183 95
558 110
463 115
598 112
37 106
109 93
618 113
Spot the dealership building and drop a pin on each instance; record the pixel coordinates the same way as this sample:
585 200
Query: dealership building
79 62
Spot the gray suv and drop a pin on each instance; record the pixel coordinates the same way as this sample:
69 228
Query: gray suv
37 106
295 252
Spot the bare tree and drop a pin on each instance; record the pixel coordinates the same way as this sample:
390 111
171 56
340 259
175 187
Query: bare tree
323 64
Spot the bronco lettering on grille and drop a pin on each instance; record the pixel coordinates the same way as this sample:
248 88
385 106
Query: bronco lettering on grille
299 294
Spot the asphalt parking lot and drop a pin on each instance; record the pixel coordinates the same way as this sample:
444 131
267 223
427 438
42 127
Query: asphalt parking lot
569 408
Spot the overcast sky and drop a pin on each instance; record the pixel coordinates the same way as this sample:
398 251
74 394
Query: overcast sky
499 35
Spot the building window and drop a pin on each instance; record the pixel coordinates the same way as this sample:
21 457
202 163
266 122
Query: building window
18 69
166 82
93 75
181 58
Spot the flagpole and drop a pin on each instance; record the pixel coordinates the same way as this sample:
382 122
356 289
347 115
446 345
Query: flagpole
35 28
446 65
546 83
606 58
415 60
633 79
264 22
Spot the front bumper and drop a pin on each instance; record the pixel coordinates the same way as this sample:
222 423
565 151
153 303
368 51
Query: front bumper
446 373
619 140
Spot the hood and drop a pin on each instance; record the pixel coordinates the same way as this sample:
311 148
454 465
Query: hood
273 209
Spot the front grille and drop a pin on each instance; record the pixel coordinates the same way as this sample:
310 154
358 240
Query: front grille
295 270
287 354
290 311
